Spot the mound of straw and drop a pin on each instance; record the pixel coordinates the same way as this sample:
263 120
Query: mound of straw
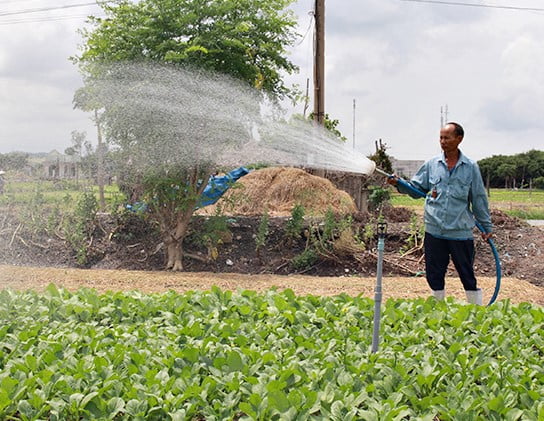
277 190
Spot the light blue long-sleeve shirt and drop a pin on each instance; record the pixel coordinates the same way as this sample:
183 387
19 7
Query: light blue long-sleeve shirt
454 198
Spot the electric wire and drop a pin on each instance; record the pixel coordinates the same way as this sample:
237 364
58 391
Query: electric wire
312 16
46 19
490 6
45 9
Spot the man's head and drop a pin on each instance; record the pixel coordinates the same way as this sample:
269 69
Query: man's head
451 135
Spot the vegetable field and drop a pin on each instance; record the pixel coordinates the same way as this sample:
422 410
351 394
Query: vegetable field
219 355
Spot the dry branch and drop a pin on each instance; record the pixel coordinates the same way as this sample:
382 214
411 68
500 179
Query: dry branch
14 234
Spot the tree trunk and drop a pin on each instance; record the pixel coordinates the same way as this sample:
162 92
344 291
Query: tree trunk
174 244
175 224
100 164
175 255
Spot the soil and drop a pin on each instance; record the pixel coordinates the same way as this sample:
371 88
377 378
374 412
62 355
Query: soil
122 247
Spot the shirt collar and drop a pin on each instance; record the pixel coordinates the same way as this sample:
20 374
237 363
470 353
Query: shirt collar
462 158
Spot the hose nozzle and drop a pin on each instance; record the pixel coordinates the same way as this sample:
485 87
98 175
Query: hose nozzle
382 172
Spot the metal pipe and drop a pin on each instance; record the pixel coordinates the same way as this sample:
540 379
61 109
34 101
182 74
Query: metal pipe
382 228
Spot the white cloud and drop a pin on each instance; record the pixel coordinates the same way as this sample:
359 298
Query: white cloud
401 61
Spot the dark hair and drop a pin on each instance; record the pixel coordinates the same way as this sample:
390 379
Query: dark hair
458 128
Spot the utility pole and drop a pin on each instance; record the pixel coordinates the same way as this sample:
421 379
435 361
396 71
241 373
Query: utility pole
353 123
306 98
100 163
443 115
319 62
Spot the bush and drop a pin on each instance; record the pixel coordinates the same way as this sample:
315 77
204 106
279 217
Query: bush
378 197
295 224
538 183
305 260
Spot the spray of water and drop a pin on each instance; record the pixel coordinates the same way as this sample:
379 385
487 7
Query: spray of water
167 115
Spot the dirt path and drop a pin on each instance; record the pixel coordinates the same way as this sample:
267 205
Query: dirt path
37 278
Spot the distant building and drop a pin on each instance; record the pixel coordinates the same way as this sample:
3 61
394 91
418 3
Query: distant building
57 165
53 165
406 167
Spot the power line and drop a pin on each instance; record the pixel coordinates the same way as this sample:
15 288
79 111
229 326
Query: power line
490 6
46 9
43 19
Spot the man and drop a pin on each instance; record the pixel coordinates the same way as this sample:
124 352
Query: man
455 196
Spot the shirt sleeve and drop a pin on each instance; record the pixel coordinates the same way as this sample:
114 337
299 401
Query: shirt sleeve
420 181
480 204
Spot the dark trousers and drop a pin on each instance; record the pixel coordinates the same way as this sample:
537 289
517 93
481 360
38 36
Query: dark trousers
437 258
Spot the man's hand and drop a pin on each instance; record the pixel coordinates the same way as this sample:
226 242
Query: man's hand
393 179
487 235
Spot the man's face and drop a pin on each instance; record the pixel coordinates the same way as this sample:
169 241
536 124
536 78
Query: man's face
449 141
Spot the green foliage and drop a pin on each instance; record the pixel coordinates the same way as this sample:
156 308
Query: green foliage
523 213
212 233
381 157
305 260
379 197
369 232
40 216
416 234
80 225
262 232
331 125
539 183
34 215
331 239
512 171
246 39
224 355
13 161
294 225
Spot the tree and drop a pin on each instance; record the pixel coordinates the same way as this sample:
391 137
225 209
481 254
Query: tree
13 161
331 125
168 120
503 170
507 171
381 157
81 149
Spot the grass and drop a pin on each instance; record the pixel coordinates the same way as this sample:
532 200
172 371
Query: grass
522 204
55 192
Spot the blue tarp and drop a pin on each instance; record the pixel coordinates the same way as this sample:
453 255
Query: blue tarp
218 185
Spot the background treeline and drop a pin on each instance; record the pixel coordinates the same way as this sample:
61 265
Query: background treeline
524 170
13 161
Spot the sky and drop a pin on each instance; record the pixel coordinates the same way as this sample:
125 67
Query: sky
403 62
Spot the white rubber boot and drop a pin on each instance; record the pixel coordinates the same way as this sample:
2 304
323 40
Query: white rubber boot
439 294
474 297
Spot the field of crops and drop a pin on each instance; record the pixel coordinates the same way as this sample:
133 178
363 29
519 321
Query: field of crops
219 355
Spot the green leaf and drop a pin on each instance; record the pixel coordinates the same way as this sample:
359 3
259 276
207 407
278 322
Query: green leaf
5 401
52 290
135 407
234 361
114 406
496 404
278 400
247 409
9 385
513 414
26 409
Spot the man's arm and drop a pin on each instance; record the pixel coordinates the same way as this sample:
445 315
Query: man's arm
480 204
